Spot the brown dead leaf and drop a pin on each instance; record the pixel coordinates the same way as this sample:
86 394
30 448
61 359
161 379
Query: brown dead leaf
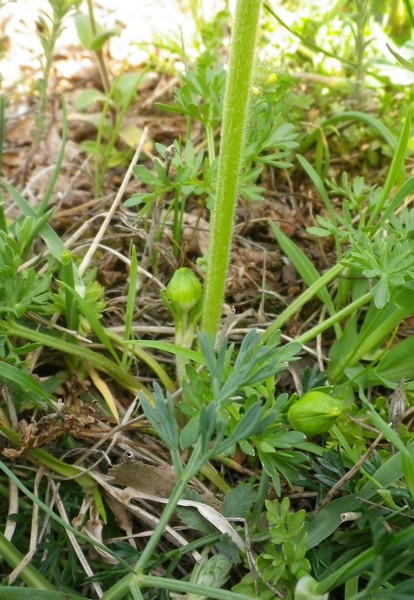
156 481
195 235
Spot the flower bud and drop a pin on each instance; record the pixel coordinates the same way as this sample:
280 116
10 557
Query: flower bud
184 294
314 413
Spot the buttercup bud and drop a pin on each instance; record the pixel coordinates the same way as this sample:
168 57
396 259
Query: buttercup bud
184 292
314 413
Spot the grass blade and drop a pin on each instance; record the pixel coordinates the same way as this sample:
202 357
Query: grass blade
397 166
305 268
317 182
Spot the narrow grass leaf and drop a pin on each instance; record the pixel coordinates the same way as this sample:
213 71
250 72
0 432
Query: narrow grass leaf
329 518
358 116
408 466
18 593
48 511
67 274
306 41
407 64
185 587
27 384
317 182
131 300
197 357
29 574
305 268
53 241
396 168
93 320
105 392
403 193
100 362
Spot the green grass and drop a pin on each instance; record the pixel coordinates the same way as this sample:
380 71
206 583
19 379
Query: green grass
114 347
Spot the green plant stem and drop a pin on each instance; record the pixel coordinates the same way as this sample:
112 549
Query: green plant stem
99 54
2 136
307 295
342 314
120 589
153 364
52 39
260 501
99 361
409 10
186 587
29 574
397 166
165 518
234 119
210 144
43 206
365 560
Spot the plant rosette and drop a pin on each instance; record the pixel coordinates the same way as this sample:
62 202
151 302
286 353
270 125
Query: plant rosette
315 413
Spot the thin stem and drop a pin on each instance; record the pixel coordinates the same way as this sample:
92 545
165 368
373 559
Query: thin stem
307 295
345 312
99 54
261 496
165 518
234 119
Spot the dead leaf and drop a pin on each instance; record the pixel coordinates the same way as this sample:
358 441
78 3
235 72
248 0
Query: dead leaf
195 234
156 481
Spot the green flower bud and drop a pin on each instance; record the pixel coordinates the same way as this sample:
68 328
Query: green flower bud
314 413
183 296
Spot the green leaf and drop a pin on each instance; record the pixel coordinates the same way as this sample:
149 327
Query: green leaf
53 241
408 467
162 416
189 434
35 392
328 519
239 501
408 65
90 39
89 98
99 40
251 424
317 182
192 518
91 316
397 363
304 267
197 357
214 571
19 593
146 176
396 168
84 30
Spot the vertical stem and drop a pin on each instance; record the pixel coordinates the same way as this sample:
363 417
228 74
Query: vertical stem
234 119
120 589
98 53
165 518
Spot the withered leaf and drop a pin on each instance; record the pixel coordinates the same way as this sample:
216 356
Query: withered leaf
155 481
